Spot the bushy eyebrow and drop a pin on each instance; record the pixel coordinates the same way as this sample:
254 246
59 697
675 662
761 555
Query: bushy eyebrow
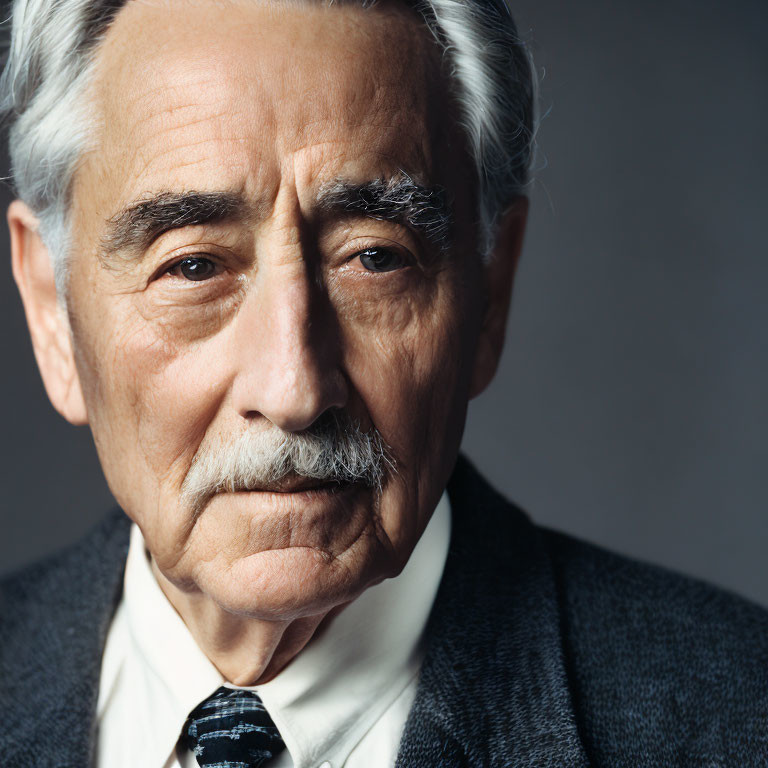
132 230
424 209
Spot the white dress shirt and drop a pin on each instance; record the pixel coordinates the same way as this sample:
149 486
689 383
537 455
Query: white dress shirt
342 701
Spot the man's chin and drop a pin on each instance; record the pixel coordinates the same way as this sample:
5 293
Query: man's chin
286 584
284 555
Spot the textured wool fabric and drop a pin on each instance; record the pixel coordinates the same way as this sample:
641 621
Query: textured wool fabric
53 624
541 651
232 729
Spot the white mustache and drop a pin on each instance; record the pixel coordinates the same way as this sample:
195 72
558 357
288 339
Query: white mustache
333 449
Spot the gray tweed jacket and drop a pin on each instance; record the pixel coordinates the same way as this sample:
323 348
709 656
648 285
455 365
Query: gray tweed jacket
541 651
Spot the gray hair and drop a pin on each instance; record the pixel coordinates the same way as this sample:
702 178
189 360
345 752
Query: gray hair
334 449
50 61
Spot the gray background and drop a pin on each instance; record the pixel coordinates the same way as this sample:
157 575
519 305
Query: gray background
629 408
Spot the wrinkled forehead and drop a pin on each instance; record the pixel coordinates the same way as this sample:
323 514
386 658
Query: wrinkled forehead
189 88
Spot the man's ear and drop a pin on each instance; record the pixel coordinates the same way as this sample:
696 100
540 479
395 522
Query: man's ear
46 316
498 278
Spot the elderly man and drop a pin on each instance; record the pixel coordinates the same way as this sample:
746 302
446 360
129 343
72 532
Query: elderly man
266 250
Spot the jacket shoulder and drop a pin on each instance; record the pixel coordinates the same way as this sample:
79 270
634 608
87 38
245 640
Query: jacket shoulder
660 661
53 621
57 583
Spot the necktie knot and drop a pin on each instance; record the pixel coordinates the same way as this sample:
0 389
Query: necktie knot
232 729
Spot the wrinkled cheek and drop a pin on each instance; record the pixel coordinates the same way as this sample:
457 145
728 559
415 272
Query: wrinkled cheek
436 401
156 399
408 371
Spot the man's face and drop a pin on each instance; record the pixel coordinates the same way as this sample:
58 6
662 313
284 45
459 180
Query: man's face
278 305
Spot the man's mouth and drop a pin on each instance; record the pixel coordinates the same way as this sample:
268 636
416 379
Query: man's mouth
296 484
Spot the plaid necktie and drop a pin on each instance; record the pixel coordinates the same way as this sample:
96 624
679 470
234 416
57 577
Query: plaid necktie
231 729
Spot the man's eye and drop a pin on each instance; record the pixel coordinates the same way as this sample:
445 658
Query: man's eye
195 268
382 259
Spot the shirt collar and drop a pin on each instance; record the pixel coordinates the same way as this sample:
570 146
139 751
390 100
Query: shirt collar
330 695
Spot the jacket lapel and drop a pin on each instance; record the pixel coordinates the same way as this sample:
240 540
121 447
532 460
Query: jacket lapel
54 620
493 688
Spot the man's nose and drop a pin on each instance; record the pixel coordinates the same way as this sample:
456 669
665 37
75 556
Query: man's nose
287 346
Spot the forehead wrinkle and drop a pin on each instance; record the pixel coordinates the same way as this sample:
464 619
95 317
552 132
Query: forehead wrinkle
171 119
211 72
161 144
203 70
172 160
163 128
168 110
